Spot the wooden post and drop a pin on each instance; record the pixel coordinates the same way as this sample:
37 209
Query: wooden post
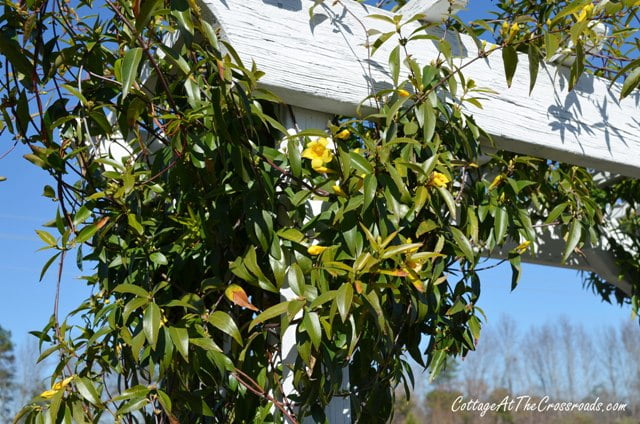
339 410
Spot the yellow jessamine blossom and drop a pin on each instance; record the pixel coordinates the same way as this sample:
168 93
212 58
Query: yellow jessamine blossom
316 249
403 93
48 394
318 153
344 134
515 28
60 385
439 179
339 191
585 13
523 246
497 181
322 169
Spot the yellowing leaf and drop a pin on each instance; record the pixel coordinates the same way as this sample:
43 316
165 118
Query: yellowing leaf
237 295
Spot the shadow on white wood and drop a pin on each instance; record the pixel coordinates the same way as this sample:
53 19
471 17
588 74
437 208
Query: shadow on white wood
322 64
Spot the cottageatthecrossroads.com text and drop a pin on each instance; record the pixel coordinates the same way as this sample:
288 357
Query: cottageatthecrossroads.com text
528 403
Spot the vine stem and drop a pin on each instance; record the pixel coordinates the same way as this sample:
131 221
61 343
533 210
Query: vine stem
255 388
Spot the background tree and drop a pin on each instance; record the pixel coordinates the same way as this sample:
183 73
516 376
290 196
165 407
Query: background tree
6 374
188 216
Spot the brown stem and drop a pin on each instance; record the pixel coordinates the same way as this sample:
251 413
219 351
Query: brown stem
255 388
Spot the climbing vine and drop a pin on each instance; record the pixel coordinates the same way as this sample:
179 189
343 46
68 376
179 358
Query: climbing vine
185 202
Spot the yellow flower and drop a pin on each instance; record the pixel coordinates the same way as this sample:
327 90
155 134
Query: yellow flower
344 134
318 153
505 29
60 385
523 246
514 30
48 394
439 179
585 13
497 181
322 169
339 191
316 249
403 93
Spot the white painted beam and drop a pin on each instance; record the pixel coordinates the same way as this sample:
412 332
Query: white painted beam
549 248
433 10
322 64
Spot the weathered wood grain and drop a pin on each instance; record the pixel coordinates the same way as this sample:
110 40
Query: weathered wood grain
322 64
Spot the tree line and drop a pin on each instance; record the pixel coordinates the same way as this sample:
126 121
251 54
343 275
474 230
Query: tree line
561 360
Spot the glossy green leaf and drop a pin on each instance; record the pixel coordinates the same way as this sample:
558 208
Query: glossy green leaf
573 238
130 64
344 297
180 338
510 60
463 243
223 322
151 323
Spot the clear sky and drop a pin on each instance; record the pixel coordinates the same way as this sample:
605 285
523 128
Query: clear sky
25 304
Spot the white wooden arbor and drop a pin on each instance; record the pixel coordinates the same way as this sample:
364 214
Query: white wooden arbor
321 67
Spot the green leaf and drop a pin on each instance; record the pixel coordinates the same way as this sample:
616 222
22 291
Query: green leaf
165 400
133 223
86 233
132 289
87 390
180 337
344 297
311 322
551 44
516 271
272 312
223 322
47 238
158 258
437 362
575 233
15 55
81 216
448 199
151 323
295 279
474 326
632 81
429 120
458 306
534 65
46 266
130 64
510 59
555 212
370 188
394 64
148 9
463 243
501 224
